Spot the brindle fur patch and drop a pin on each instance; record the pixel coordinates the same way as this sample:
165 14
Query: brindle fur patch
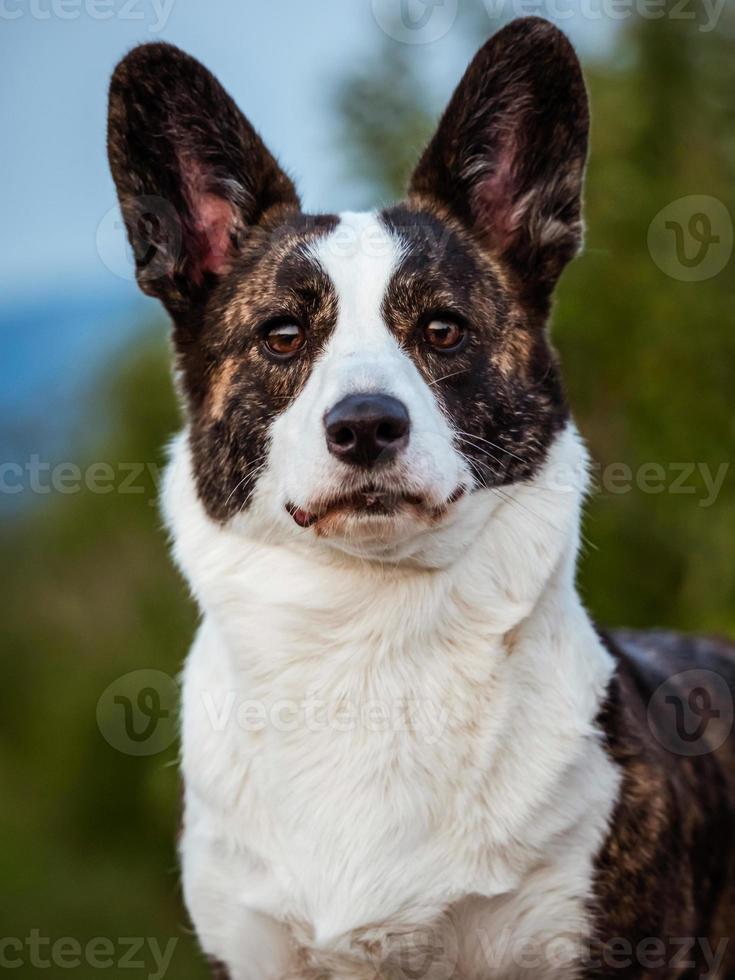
503 391
667 868
273 278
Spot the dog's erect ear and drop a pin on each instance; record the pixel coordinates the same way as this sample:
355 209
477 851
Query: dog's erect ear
508 157
191 172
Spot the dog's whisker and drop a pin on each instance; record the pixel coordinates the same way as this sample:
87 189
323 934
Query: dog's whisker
446 376
493 444
248 475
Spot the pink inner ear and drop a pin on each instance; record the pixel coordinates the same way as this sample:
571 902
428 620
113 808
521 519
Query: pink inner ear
214 221
496 205
213 217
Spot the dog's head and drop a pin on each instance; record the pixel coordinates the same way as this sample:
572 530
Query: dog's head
352 377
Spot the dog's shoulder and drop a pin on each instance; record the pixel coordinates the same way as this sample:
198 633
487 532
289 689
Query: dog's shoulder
672 694
667 723
653 656
671 698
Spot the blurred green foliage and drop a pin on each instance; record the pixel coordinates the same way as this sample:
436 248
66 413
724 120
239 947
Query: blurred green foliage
89 833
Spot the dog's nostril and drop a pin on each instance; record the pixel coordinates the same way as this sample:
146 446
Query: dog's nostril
343 436
367 429
389 431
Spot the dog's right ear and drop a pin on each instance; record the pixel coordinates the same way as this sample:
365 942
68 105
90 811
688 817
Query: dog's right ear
192 175
509 154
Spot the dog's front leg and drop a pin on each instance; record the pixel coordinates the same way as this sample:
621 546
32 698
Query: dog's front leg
241 942
248 947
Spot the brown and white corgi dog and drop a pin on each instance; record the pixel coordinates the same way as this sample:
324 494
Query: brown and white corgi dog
407 751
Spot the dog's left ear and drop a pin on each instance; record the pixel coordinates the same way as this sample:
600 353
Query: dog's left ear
508 157
192 175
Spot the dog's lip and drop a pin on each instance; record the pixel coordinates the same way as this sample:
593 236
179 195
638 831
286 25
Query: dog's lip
369 502
302 517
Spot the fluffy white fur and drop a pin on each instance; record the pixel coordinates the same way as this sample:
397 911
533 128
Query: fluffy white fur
389 748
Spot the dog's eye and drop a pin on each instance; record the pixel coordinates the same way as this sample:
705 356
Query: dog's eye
444 335
285 339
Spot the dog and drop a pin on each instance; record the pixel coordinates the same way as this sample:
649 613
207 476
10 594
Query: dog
407 750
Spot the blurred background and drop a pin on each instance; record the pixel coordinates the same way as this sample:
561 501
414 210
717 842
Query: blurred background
345 95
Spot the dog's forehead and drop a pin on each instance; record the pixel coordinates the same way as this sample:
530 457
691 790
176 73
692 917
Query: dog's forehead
360 257
275 263
377 262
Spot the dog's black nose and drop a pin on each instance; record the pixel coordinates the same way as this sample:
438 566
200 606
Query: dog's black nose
367 429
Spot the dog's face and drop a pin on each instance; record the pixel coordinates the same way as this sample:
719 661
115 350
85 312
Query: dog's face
354 376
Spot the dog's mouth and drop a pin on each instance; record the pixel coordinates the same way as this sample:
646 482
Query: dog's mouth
370 502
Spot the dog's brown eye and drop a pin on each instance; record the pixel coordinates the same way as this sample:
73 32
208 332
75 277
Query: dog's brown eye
285 339
444 335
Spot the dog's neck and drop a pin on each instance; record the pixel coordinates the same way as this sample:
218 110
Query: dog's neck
478 580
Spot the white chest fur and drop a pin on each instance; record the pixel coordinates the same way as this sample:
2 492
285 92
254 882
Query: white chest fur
370 751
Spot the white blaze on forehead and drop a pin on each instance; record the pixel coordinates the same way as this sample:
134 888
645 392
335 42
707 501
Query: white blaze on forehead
360 257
